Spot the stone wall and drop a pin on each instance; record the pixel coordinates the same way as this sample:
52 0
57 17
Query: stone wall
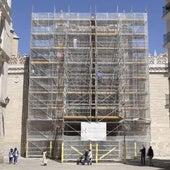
160 120
16 110
13 116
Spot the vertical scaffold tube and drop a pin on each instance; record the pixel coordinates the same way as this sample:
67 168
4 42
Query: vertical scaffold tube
124 153
51 146
62 152
90 147
96 152
93 69
135 150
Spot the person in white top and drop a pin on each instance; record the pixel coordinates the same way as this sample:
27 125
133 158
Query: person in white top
10 154
44 159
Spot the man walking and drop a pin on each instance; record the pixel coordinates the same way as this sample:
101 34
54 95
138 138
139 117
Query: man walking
143 155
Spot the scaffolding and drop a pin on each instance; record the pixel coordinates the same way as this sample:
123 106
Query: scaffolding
88 68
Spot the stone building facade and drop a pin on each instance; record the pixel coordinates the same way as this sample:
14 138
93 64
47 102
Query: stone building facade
8 48
160 119
15 119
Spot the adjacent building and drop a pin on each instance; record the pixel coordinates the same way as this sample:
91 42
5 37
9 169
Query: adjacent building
159 102
166 17
8 48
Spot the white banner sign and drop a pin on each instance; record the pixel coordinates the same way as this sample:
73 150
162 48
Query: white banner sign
93 131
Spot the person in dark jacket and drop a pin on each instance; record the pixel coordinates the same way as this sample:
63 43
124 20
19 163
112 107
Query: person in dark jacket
86 155
15 154
150 154
143 155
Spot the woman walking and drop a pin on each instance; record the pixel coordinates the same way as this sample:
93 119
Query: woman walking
10 155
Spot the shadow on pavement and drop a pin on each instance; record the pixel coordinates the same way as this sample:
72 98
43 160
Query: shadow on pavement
163 164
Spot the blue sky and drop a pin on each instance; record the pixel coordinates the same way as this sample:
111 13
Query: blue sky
22 9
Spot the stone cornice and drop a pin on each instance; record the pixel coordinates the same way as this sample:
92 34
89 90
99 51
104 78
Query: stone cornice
16 69
158 63
17 65
14 60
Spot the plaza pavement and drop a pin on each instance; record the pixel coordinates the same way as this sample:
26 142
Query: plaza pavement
35 164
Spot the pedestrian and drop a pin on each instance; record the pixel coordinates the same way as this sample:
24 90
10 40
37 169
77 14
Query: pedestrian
86 158
143 155
15 154
90 156
10 155
150 154
44 158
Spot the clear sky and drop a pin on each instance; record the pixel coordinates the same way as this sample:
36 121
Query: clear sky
22 9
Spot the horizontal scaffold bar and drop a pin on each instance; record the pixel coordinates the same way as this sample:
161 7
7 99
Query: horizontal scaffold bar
34 33
81 33
105 78
81 92
97 107
81 107
92 117
45 62
85 48
72 62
